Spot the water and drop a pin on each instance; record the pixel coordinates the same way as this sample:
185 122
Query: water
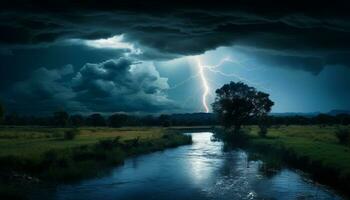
198 171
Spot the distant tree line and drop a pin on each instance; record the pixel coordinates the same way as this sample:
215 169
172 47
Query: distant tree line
321 119
63 119
1 113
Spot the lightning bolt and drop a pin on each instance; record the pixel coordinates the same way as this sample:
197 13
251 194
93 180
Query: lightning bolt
204 83
234 61
215 69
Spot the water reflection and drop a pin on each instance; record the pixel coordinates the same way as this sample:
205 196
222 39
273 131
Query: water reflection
203 158
198 171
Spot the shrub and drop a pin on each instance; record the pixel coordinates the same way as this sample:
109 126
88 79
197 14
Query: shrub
263 131
105 144
108 143
71 134
343 135
263 123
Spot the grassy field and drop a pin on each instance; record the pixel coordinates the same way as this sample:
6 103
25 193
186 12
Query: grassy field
29 142
313 148
45 153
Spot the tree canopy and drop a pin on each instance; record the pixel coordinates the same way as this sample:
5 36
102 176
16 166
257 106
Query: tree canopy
236 103
117 120
95 119
76 120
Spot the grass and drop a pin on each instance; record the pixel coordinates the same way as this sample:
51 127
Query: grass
45 153
32 142
312 148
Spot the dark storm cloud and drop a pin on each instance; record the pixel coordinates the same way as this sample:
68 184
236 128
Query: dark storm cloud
182 28
110 86
310 63
20 63
117 85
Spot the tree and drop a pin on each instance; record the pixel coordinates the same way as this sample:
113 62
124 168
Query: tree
76 120
236 103
264 123
70 134
343 119
95 120
117 120
60 118
324 119
2 111
343 135
148 120
12 119
164 120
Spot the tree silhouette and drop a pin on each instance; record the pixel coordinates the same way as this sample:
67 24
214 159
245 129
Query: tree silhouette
76 120
324 119
236 103
61 118
96 120
164 120
2 111
117 120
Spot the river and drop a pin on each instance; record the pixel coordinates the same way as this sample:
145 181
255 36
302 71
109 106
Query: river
198 171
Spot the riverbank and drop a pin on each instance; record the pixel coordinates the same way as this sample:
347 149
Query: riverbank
35 154
200 171
313 149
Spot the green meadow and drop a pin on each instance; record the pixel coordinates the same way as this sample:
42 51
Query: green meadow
315 149
46 153
29 142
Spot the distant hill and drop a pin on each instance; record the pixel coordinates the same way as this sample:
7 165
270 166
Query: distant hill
211 116
337 112
311 114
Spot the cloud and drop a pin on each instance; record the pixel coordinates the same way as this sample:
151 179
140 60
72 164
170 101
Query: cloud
179 28
183 28
110 86
115 42
272 58
22 62
36 37
44 91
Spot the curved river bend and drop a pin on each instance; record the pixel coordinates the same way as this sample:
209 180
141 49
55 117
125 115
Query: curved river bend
198 171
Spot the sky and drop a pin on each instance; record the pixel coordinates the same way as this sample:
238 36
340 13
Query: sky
151 58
